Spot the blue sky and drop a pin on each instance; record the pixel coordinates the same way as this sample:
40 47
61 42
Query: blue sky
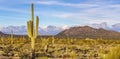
60 12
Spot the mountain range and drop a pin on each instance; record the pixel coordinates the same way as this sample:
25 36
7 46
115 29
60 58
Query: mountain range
22 30
53 30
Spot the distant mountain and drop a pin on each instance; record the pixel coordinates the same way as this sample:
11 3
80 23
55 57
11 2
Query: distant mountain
15 29
22 30
1 34
50 30
53 30
104 25
88 32
1 27
116 27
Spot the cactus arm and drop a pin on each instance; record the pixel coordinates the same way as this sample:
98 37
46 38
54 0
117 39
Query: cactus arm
28 28
37 25
32 28
32 10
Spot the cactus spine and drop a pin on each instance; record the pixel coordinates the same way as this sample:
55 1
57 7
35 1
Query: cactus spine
33 30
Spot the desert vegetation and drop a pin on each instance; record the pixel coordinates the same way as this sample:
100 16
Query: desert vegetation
53 48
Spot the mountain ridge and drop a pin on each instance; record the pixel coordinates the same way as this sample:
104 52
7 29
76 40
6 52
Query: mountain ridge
53 30
88 32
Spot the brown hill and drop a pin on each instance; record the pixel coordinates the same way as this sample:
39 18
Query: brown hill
89 32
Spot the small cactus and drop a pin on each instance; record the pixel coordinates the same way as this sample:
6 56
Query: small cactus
11 35
33 30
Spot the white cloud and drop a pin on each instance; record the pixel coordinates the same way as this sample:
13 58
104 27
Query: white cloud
13 9
65 27
95 11
110 22
10 17
108 13
66 4
62 15
114 6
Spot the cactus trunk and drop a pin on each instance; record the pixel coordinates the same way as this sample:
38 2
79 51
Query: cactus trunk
32 43
33 31
33 48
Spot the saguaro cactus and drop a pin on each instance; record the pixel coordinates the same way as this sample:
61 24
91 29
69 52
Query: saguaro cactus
33 31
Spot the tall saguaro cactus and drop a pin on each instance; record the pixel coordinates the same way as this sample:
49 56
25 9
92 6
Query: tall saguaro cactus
33 30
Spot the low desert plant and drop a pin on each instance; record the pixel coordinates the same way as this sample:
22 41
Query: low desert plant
114 53
24 54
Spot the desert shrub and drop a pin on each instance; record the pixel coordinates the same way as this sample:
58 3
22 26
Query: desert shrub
8 50
114 53
24 54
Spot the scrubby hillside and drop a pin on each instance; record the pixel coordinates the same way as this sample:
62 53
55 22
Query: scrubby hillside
89 32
